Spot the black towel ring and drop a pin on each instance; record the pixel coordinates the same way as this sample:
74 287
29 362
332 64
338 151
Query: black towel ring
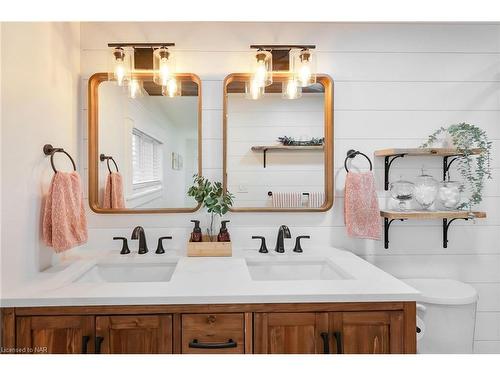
103 157
351 154
48 149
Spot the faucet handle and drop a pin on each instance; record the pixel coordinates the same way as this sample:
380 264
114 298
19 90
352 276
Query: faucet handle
125 249
263 247
159 248
298 248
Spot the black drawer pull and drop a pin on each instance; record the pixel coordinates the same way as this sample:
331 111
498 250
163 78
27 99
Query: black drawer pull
213 345
338 341
326 344
85 341
98 342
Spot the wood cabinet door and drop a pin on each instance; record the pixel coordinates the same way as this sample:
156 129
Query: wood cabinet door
369 332
290 333
55 334
134 334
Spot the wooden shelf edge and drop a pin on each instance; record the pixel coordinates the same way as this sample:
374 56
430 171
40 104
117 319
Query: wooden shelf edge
422 215
423 151
288 148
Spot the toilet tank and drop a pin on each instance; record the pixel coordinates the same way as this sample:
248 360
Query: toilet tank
446 316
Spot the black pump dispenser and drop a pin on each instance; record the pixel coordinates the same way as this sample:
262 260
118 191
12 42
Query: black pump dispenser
223 233
196 235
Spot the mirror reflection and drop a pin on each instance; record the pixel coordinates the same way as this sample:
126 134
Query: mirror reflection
275 147
147 145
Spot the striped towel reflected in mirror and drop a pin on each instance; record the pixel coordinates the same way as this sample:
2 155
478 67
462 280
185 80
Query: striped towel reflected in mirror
287 200
316 199
297 199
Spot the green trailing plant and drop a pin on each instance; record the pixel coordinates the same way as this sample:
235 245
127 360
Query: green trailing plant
212 196
290 141
473 169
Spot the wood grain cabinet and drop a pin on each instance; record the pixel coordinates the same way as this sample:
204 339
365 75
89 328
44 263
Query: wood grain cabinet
54 334
366 332
136 334
288 328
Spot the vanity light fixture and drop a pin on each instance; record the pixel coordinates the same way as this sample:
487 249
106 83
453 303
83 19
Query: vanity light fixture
120 66
303 66
291 89
263 68
163 66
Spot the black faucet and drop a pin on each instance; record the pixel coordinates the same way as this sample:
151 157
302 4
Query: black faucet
283 232
138 233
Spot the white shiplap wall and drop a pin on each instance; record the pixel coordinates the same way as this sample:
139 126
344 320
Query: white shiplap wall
394 84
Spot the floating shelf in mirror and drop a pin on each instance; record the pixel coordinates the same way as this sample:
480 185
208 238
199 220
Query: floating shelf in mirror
264 149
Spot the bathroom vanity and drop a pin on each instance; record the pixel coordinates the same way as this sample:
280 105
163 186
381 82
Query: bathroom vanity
328 301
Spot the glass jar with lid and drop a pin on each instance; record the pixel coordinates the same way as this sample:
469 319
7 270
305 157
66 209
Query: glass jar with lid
402 191
449 194
426 190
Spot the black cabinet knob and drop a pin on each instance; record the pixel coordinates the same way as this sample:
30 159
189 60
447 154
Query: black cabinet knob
263 247
159 248
125 249
298 248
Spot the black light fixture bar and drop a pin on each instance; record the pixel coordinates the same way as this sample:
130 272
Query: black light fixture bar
282 46
141 45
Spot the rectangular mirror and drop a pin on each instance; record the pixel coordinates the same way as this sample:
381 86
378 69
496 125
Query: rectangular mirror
268 174
143 150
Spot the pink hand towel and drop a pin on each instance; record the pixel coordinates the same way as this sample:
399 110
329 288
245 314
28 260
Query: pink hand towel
361 210
113 191
64 222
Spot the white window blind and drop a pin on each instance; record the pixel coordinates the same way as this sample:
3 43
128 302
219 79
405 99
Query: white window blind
146 163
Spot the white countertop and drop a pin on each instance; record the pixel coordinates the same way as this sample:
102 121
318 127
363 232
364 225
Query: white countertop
210 280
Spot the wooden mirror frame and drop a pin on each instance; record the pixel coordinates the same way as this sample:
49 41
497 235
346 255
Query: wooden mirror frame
93 138
327 83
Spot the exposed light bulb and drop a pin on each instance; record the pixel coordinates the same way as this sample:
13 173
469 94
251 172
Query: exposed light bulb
305 73
291 89
119 73
253 90
171 89
164 71
120 67
260 74
135 88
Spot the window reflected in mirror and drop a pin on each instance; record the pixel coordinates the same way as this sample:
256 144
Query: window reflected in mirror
147 146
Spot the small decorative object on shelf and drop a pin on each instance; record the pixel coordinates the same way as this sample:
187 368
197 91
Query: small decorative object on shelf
402 191
449 194
426 189
213 197
467 139
290 141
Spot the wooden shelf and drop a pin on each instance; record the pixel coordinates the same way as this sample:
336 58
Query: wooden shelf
423 215
264 149
423 152
391 154
447 218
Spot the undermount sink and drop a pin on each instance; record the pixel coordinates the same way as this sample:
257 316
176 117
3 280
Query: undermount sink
296 269
129 272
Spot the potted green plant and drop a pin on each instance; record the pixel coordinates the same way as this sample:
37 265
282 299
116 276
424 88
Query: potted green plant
473 169
213 197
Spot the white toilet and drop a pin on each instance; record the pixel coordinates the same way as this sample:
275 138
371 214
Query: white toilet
446 316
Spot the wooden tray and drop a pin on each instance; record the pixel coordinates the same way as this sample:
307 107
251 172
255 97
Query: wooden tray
209 248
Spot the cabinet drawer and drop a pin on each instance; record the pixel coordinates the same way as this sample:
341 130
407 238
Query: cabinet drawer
213 333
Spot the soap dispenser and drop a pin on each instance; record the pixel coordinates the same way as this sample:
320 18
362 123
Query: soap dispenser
224 233
196 235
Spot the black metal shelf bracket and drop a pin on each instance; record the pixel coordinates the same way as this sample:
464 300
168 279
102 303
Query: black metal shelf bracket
387 225
446 226
264 155
447 165
388 161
